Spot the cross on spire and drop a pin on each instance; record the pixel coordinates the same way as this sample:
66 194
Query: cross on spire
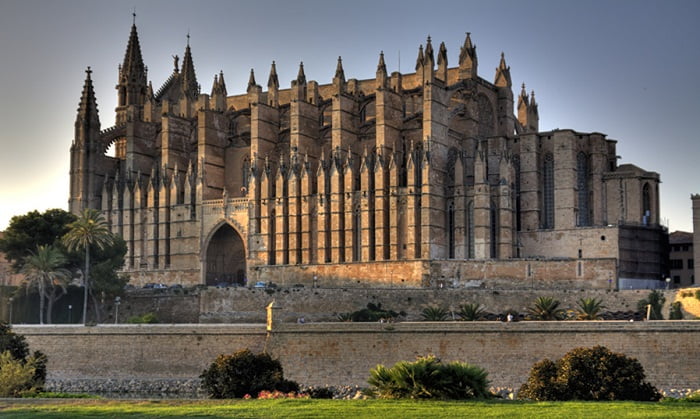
133 14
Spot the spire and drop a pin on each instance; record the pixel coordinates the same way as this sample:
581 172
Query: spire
467 59
381 66
251 80
133 71
189 79
523 98
301 77
87 109
442 62
503 73
381 72
421 58
429 50
339 73
273 81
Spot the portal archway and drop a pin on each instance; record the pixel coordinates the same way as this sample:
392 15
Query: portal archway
225 257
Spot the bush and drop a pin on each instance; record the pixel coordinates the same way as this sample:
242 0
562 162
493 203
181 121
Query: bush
434 314
675 313
656 300
588 374
16 362
147 318
429 378
244 373
546 308
16 377
471 312
373 313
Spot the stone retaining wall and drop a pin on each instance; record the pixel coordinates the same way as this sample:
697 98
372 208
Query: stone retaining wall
342 353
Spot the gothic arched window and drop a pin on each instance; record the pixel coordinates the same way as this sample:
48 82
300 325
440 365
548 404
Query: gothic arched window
548 183
582 185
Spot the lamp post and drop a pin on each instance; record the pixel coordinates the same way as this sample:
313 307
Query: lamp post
668 283
117 301
70 313
10 301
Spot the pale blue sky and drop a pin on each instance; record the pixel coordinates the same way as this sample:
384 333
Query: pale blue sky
629 69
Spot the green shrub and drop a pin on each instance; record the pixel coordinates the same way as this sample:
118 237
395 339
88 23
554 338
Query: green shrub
373 313
656 300
588 374
10 341
429 378
16 377
434 314
147 318
546 308
589 309
244 373
16 346
471 312
675 313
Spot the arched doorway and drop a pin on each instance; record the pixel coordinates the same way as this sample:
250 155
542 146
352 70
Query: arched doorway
225 257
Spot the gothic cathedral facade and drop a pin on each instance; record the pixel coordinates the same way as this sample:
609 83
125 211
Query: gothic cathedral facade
437 178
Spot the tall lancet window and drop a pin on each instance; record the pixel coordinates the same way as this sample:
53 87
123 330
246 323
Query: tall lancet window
548 181
470 227
494 231
450 229
646 204
582 185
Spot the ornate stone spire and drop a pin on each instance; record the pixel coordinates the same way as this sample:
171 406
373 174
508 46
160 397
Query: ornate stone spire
87 109
339 73
503 74
442 62
382 76
301 77
251 80
429 50
273 81
468 62
133 71
421 58
190 87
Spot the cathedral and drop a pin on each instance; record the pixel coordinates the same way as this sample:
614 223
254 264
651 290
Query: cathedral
436 178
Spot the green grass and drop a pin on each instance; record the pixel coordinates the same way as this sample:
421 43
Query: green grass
314 408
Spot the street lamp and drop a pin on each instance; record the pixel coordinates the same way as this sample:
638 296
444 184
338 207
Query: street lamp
117 301
10 300
70 313
668 283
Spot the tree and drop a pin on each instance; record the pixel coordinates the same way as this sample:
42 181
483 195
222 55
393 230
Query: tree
90 229
546 308
105 282
656 300
27 232
44 270
434 314
589 309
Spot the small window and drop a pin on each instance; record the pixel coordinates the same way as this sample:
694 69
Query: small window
691 265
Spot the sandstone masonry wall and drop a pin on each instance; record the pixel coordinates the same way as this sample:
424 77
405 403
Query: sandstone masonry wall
343 353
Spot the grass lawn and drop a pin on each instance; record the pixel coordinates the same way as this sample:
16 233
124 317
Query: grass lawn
316 408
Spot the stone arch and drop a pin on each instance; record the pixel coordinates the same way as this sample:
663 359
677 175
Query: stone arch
224 256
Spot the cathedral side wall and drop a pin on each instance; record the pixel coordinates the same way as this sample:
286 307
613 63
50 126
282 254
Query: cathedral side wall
593 242
343 353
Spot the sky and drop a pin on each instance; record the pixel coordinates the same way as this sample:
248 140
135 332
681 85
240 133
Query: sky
626 68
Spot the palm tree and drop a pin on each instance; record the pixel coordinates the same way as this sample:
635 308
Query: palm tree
546 308
589 309
44 270
434 314
90 229
471 312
